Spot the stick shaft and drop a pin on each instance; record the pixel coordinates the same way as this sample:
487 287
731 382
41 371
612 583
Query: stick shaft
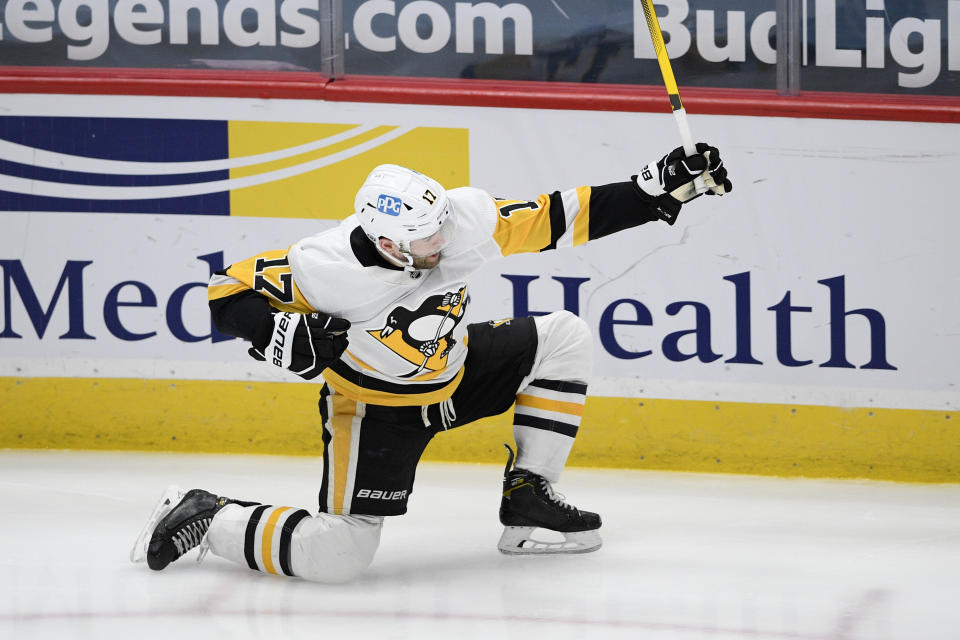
686 137
670 82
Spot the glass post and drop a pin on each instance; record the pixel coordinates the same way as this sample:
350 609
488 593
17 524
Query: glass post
331 38
789 26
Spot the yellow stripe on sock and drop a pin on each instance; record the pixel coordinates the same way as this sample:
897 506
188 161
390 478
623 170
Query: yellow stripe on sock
266 545
536 402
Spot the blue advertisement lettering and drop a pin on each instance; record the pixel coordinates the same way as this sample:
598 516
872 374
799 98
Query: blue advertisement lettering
15 278
676 345
69 293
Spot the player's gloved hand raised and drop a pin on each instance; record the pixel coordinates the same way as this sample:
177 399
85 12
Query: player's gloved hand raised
669 181
305 343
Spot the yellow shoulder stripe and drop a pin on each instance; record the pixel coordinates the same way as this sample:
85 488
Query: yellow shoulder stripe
581 224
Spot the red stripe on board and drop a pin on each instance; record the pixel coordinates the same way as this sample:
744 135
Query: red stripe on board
607 97
163 82
469 92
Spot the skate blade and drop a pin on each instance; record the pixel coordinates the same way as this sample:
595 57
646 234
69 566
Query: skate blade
170 498
521 541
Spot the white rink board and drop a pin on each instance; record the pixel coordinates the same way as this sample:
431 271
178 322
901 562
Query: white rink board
814 200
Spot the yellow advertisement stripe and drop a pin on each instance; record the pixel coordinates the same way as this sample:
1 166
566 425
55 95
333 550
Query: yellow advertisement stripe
266 544
327 192
918 445
291 161
559 406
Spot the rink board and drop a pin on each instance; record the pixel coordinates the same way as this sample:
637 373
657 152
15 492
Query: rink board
733 437
806 324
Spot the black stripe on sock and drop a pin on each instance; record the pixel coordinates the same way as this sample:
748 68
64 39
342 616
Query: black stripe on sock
562 428
286 536
250 539
563 386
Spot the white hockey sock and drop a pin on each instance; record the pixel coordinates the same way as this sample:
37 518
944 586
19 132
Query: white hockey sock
546 419
548 410
289 541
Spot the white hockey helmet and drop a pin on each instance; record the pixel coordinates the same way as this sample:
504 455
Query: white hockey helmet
401 204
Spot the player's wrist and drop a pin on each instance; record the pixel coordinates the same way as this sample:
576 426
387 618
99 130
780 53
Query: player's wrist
664 206
263 332
648 182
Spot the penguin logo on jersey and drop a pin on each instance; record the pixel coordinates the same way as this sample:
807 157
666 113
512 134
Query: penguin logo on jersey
424 336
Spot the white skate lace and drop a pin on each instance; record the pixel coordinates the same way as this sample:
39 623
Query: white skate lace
191 535
557 498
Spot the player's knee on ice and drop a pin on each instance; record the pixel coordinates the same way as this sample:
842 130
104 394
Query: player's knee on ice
564 349
330 548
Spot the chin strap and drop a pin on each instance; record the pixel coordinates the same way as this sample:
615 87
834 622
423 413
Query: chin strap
405 252
407 264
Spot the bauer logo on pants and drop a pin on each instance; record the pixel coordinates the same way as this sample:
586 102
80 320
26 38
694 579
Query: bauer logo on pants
382 494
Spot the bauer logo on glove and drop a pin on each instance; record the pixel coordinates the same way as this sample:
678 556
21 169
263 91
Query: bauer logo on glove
669 181
303 343
281 341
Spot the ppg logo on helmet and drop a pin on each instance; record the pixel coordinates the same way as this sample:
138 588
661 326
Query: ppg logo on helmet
389 205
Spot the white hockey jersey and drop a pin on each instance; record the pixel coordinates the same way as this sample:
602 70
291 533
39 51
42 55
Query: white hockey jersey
408 334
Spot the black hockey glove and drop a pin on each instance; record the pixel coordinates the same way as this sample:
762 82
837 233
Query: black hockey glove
305 343
669 181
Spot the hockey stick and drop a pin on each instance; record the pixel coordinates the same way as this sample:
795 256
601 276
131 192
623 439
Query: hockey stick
666 70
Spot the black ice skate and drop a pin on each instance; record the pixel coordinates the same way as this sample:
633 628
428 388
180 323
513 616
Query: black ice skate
529 502
178 523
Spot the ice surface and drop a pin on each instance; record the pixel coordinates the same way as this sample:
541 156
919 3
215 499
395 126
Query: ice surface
685 556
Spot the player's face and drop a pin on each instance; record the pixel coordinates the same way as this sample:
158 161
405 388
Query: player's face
426 251
428 262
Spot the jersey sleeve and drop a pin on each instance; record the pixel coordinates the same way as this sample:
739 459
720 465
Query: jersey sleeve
246 293
569 218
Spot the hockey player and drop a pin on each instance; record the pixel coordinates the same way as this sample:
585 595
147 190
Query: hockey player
379 306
